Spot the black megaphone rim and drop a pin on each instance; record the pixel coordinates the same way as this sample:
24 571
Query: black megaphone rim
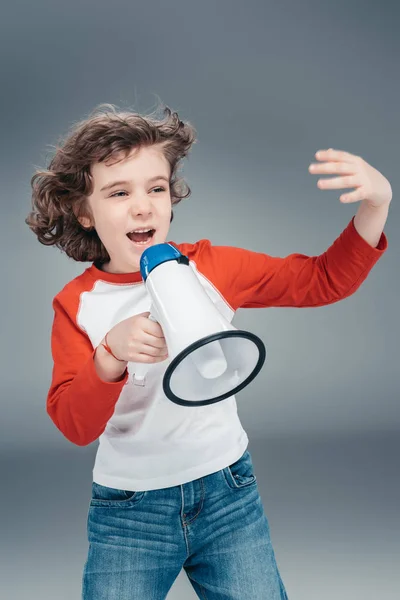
202 342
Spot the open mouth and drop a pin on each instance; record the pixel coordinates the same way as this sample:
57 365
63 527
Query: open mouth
141 238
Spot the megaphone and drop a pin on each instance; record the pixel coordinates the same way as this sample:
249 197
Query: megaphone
210 359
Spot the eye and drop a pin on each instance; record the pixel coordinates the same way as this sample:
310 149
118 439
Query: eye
123 191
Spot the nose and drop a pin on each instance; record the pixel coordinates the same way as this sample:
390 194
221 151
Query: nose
141 205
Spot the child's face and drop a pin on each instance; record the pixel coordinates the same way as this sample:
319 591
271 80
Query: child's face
139 203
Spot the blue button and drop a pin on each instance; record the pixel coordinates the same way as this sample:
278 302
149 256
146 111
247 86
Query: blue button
156 255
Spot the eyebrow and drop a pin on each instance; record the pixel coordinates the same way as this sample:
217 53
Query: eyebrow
113 183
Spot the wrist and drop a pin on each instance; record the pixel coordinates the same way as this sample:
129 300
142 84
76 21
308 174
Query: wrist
107 367
106 346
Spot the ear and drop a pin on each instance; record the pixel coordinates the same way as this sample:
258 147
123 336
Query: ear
85 222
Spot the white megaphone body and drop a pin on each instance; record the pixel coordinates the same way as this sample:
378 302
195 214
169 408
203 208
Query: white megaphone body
210 359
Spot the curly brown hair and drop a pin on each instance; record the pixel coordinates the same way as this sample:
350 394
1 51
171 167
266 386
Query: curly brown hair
59 193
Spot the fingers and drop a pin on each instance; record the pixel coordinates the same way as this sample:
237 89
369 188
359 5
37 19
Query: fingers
153 328
148 343
150 340
144 358
151 351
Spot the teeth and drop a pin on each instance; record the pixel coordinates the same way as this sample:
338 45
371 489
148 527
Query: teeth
140 230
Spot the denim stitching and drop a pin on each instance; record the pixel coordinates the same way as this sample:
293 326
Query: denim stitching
201 503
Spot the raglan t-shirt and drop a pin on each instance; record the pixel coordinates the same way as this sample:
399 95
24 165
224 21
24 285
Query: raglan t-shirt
145 441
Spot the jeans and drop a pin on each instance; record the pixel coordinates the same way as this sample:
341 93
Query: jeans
214 528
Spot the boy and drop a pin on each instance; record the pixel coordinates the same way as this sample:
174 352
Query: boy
172 486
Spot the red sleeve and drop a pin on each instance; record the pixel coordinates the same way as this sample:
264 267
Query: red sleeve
78 401
249 279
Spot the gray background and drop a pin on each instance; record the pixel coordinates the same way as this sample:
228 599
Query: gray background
266 84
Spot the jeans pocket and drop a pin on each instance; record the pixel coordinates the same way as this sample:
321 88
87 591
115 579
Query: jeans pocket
240 474
107 496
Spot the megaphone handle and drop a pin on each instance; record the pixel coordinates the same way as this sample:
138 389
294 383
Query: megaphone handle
139 376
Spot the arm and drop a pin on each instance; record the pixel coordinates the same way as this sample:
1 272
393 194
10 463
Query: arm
86 382
250 279
370 221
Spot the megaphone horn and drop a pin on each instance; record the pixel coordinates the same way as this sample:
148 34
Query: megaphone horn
210 359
